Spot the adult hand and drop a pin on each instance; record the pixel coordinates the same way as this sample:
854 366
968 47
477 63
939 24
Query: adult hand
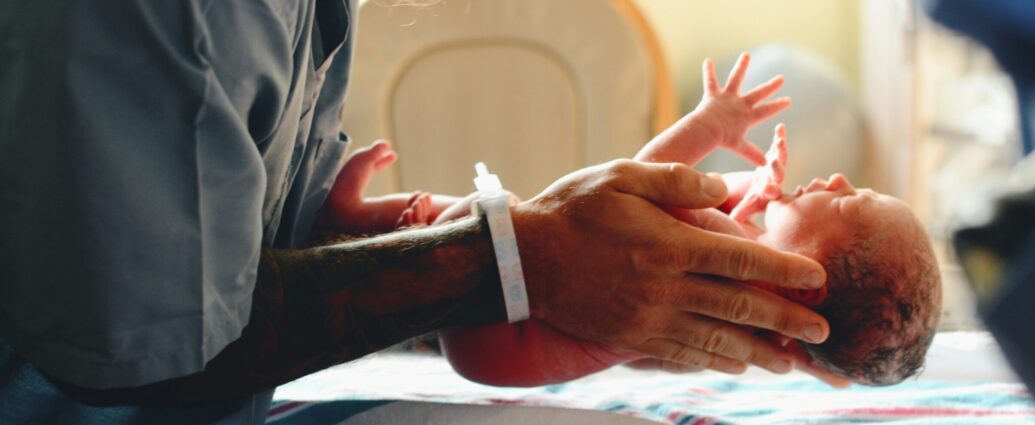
650 363
805 364
603 261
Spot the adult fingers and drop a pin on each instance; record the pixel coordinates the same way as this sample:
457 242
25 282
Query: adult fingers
711 81
668 184
702 252
805 364
650 363
764 112
744 305
763 90
750 152
730 341
737 74
675 351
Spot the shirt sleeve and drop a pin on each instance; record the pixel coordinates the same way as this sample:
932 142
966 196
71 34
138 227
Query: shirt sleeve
130 214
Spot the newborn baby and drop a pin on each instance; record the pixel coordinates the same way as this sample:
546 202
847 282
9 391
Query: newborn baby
882 297
883 292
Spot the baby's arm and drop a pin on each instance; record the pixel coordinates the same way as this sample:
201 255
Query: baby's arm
723 118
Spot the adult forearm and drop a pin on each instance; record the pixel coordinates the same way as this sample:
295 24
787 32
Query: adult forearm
319 307
368 294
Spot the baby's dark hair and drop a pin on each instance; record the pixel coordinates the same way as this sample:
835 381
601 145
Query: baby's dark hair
883 302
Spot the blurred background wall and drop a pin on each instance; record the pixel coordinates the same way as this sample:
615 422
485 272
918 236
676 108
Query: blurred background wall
880 94
690 30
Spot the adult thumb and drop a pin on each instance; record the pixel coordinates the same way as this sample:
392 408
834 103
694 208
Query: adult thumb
668 184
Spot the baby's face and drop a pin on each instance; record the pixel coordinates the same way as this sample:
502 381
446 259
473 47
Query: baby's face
883 294
815 219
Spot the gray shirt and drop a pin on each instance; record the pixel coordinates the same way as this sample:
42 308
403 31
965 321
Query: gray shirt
148 150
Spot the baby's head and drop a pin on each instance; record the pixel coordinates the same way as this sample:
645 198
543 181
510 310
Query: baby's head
883 293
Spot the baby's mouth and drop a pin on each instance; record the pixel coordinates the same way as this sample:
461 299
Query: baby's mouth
787 198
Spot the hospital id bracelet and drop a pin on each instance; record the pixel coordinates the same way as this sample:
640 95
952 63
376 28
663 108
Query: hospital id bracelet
495 204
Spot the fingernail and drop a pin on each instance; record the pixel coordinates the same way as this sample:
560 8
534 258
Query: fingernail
781 366
714 187
814 333
813 279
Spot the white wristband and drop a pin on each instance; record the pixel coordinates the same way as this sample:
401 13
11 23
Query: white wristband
495 203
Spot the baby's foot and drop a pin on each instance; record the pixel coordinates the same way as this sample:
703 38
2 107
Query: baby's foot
355 175
418 211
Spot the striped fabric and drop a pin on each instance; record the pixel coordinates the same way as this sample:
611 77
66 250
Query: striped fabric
335 395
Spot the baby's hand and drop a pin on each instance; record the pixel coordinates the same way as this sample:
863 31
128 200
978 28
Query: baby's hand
729 115
767 183
722 119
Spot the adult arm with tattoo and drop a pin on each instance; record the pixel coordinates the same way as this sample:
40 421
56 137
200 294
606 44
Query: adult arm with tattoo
323 306
602 262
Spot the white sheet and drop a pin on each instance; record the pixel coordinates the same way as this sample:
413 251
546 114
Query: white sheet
953 357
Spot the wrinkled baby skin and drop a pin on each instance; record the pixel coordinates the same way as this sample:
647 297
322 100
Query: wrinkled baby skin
883 292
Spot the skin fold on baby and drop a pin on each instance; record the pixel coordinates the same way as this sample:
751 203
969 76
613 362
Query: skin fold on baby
883 292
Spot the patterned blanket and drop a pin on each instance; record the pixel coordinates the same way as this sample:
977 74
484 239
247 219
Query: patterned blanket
335 395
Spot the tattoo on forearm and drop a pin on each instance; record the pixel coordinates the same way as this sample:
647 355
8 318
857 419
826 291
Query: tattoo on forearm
319 307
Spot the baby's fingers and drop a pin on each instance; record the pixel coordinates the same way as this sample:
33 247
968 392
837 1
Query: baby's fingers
737 74
747 150
778 151
764 90
766 111
711 81
776 173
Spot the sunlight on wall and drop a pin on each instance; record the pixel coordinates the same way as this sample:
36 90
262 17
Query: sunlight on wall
691 30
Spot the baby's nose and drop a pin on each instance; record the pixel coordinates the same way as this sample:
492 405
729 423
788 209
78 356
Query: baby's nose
838 182
816 184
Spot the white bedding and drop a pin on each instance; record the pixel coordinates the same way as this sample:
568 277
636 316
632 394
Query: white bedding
965 381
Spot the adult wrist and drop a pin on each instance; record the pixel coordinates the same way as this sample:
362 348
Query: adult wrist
494 204
528 229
